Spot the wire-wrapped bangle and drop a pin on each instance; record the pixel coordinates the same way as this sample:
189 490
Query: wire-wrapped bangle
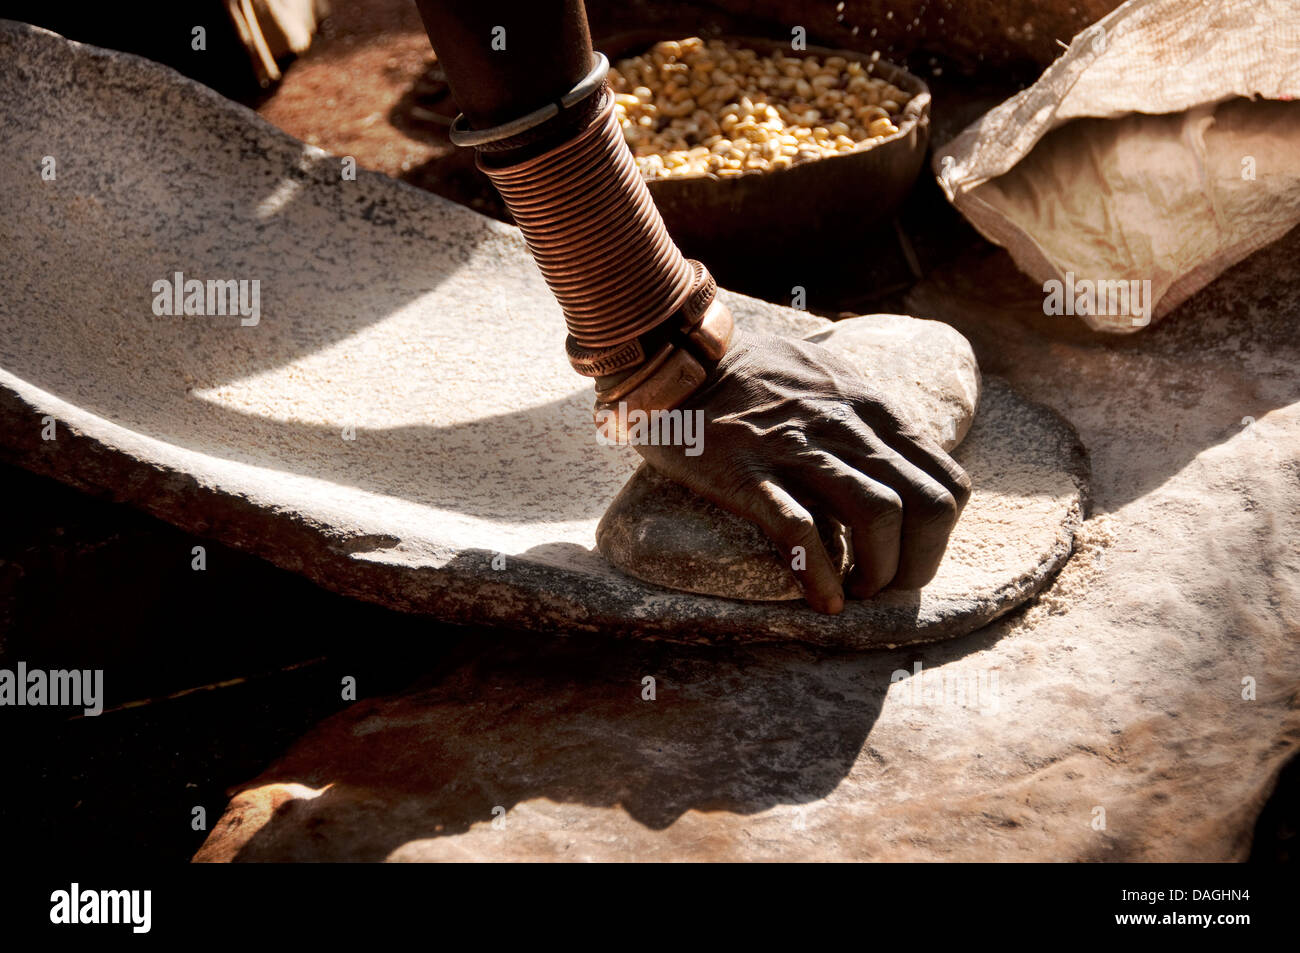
595 234
462 135
603 361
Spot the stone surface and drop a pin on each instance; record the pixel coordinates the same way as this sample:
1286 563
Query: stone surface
1139 710
358 432
1029 473
664 534
928 369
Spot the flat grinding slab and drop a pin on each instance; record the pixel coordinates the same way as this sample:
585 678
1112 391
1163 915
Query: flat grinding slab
395 418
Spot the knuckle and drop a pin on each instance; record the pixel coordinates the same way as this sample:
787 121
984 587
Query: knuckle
839 413
887 507
939 509
820 462
797 526
790 524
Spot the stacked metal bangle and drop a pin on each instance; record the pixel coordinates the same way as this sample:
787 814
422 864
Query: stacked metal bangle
642 318
668 362
675 371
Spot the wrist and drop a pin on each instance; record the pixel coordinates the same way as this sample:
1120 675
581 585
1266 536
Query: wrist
668 378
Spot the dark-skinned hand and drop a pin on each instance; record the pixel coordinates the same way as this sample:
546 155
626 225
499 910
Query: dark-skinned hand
791 429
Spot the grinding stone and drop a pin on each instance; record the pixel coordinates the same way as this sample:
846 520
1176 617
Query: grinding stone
362 432
662 533
1027 470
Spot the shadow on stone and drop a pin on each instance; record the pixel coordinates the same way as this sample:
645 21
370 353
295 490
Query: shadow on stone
739 730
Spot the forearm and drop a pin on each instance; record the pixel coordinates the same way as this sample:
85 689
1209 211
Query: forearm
791 427
547 50
643 320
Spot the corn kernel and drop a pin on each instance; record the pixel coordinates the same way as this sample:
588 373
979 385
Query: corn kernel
688 107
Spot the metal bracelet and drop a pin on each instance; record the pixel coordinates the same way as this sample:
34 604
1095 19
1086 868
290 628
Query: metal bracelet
674 373
462 135
603 361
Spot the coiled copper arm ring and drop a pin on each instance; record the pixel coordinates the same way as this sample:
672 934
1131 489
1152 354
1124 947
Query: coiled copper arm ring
642 318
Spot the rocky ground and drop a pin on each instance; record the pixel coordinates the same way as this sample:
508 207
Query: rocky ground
85 580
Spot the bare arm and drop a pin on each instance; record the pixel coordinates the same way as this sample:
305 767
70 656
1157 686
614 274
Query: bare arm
791 430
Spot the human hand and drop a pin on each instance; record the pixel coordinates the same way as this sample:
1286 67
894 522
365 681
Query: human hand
792 430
